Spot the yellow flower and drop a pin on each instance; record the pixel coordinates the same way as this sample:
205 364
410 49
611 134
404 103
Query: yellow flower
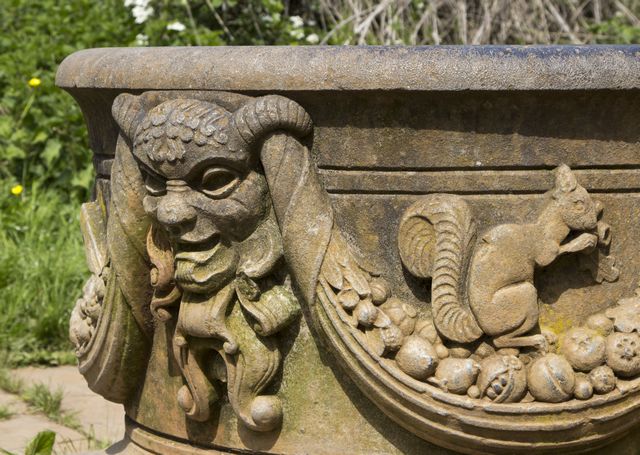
34 82
17 190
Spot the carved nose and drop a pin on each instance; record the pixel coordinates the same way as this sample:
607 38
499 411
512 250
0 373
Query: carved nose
175 213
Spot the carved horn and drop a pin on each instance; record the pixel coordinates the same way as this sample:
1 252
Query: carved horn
266 114
128 111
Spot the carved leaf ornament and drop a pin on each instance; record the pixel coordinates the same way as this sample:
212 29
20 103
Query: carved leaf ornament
224 215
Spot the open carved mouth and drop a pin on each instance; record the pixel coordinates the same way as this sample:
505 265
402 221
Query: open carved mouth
199 251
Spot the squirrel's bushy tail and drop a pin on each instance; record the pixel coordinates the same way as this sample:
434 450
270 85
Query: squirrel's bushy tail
436 239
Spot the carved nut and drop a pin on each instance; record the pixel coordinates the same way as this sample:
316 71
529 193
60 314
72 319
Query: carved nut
583 348
427 330
348 298
392 337
600 323
623 353
401 314
603 379
417 357
484 350
551 379
457 375
379 291
502 378
365 313
442 351
459 351
583 389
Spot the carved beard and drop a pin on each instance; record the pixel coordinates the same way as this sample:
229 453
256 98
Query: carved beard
203 272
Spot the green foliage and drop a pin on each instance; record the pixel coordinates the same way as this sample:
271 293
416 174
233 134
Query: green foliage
616 31
42 444
231 22
9 383
40 398
42 268
42 135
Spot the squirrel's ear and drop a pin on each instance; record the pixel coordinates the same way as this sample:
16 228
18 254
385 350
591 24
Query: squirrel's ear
565 180
128 111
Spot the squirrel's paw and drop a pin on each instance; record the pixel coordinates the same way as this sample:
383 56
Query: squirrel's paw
540 342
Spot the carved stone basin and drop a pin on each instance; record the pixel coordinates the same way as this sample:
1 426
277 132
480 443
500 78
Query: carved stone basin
363 250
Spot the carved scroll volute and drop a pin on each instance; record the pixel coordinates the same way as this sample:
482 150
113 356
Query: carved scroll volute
112 335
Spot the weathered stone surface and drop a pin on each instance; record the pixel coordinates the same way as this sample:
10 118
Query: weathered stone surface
363 250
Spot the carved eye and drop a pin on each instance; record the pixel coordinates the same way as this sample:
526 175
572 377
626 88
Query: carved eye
579 206
218 182
154 186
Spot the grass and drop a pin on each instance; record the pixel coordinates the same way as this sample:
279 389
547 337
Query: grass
42 269
37 396
9 383
5 413
41 399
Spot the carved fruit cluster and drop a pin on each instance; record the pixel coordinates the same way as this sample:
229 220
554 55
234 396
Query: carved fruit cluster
390 326
586 360
86 313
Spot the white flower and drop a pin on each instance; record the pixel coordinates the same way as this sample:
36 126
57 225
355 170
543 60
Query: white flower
141 13
296 21
142 39
141 10
176 26
296 34
313 39
142 3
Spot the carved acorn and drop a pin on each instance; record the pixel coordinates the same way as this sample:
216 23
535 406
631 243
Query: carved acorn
380 291
623 353
551 379
417 357
583 348
456 375
503 378
603 379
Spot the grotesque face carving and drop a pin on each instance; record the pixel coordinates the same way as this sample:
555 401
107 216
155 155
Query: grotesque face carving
200 186
203 181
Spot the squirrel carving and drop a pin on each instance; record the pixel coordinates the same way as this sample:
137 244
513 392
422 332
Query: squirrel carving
486 287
